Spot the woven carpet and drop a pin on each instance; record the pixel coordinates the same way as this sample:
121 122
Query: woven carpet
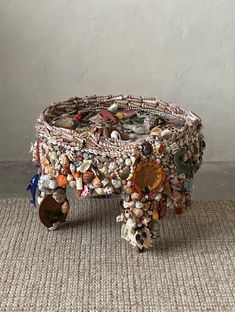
86 266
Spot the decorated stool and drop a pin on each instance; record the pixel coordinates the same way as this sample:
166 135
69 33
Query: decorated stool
142 148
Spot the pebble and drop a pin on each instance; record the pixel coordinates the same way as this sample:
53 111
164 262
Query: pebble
138 212
100 191
85 155
128 162
138 204
135 195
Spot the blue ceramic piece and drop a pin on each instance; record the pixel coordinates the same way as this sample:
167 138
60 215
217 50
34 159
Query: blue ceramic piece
33 187
188 185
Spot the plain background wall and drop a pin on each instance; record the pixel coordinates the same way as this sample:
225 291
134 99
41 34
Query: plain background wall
181 51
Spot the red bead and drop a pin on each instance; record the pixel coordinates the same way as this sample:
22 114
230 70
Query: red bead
78 116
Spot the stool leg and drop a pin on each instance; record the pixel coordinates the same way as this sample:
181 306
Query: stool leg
53 204
140 218
181 194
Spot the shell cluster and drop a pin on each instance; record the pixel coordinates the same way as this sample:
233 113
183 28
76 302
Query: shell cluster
144 149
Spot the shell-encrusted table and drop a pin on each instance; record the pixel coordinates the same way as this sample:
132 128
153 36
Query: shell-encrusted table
145 149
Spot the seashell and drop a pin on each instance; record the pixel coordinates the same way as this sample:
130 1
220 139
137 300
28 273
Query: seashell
147 148
105 182
59 195
100 191
121 160
116 183
135 195
79 184
85 166
113 175
65 170
53 156
138 212
133 159
78 163
128 162
72 184
112 166
39 200
156 131
128 204
130 223
113 108
124 173
115 135
128 190
64 161
158 197
52 184
138 204
84 191
85 155
109 190
140 129
65 207
120 218
88 176
48 169
61 180
71 155
104 169
165 133
96 182
70 177
146 220
57 166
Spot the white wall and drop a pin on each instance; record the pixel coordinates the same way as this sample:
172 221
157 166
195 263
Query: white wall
178 50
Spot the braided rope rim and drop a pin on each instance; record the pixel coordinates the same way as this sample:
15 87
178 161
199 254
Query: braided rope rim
43 126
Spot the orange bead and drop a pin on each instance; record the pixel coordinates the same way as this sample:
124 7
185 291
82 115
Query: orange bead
62 181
